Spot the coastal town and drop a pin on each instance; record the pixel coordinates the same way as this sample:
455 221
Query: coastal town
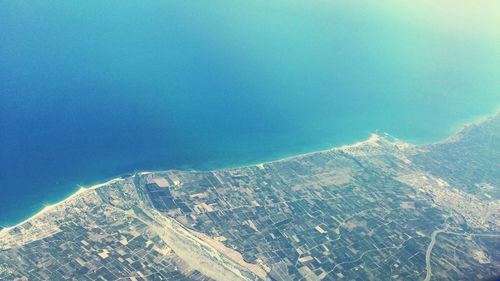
376 210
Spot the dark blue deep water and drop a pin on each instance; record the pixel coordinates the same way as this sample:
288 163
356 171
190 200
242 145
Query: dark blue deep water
90 90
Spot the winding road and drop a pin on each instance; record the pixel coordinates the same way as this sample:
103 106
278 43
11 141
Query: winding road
429 251
433 241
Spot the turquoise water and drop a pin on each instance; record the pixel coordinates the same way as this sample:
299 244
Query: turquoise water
94 89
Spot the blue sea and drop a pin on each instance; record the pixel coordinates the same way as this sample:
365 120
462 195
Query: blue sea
90 90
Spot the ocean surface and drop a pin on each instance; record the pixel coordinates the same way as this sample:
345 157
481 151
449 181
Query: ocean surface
90 90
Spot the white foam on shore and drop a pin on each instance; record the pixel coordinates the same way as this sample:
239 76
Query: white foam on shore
47 208
371 140
374 139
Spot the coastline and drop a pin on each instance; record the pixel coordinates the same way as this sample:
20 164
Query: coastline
82 189
374 137
457 129
47 208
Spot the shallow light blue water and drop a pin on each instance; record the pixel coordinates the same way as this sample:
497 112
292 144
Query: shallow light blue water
90 90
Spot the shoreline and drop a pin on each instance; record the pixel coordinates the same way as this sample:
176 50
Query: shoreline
465 123
372 138
83 189
47 208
